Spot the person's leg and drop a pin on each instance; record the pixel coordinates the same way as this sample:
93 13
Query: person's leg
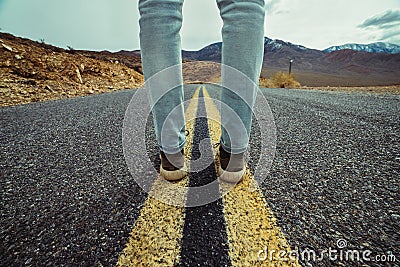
160 23
243 50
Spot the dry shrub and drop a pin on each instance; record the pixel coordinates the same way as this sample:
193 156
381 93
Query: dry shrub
280 80
264 82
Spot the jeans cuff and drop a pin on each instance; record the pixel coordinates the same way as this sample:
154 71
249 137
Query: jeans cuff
234 150
173 150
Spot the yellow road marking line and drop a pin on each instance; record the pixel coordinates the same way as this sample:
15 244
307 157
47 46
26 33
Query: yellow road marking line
250 223
156 237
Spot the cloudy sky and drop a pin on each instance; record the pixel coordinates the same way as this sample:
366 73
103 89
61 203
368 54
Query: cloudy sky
113 24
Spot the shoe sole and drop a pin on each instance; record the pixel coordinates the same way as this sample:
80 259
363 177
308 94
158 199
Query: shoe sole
173 175
231 177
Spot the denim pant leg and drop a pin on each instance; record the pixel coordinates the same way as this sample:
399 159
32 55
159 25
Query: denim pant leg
243 50
160 23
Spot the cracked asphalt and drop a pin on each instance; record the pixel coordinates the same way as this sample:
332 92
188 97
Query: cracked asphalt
68 199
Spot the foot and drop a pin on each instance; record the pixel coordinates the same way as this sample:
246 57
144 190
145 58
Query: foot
173 167
232 166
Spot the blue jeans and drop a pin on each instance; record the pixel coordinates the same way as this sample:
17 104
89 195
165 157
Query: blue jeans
243 49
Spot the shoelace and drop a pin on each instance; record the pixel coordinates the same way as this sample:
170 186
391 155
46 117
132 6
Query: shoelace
216 145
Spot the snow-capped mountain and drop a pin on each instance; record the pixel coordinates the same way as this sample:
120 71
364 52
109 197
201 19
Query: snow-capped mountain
274 44
379 47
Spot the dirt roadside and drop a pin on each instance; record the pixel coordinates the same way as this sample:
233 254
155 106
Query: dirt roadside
393 89
33 71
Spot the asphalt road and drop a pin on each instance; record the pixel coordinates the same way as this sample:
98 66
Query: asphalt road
68 199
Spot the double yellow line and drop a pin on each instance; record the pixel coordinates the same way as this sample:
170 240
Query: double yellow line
254 237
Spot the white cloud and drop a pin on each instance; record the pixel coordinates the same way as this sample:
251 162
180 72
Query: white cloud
320 24
388 19
384 26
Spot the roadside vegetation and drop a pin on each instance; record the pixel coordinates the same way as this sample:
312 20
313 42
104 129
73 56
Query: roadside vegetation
279 80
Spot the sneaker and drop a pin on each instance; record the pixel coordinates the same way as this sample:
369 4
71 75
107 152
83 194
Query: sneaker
232 166
173 166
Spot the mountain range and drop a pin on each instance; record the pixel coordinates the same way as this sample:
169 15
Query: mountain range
348 65
46 66
379 47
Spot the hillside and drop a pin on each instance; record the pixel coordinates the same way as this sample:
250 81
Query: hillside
31 71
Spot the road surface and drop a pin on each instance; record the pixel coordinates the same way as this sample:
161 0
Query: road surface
68 199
